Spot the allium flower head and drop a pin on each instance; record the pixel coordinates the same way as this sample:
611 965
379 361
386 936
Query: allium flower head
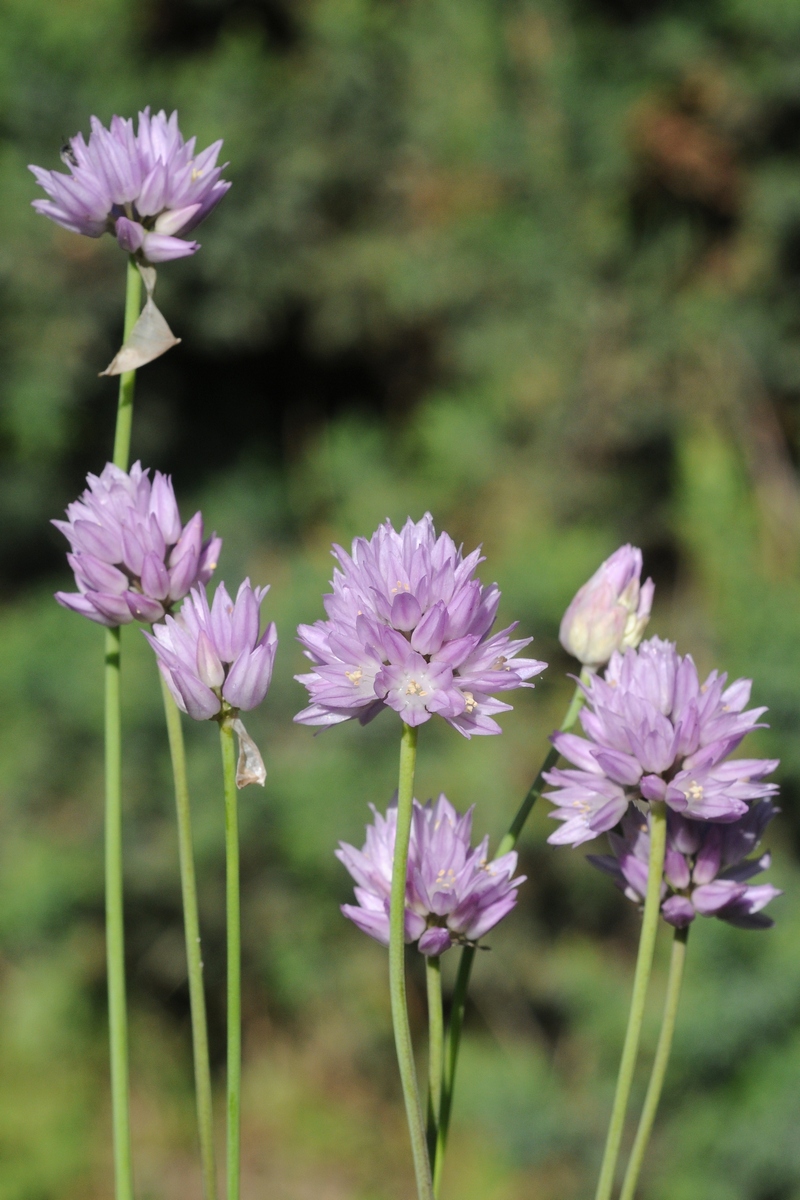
212 655
149 188
609 612
410 628
655 733
131 557
706 868
454 894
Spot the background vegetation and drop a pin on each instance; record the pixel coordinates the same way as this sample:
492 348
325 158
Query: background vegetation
534 266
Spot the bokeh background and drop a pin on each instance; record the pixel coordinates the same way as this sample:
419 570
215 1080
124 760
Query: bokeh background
533 265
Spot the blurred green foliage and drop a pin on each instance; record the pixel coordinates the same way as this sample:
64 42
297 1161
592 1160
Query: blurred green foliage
531 265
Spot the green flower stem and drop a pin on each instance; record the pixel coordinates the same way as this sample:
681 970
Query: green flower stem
468 953
127 381
234 956
115 932
433 978
660 1062
397 968
194 961
644 963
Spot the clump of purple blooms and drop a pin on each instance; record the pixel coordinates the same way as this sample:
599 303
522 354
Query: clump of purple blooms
149 188
611 610
212 656
410 628
454 893
131 556
706 868
654 732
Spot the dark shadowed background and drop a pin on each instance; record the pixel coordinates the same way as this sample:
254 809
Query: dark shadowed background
534 266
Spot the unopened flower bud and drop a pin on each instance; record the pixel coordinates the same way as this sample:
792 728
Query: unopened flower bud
610 612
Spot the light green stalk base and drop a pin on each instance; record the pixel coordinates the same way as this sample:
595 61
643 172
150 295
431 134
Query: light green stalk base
644 963
433 978
397 967
194 962
660 1062
234 957
115 933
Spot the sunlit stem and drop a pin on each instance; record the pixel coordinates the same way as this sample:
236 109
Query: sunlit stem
455 1025
234 1082
115 932
397 970
433 978
194 961
660 1062
644 963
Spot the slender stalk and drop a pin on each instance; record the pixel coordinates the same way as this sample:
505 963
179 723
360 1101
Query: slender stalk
433 978
127 381
234 956
397 967
660 1062
458 1005
194 962
644 963
115 931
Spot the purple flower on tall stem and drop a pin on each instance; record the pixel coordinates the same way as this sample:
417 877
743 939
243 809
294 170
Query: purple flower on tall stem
131 556
454 894
409 628
149 188
706 868
212 657
654 733
610 612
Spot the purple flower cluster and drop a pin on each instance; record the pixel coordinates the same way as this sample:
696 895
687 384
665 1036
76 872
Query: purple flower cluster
409 628
655 733
212 656
706 868
131 557
610 611
148 189
454 894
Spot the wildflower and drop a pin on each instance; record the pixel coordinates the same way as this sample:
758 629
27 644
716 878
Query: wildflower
609 612
131 557
453 893
654 733
409 628
705 870
148 189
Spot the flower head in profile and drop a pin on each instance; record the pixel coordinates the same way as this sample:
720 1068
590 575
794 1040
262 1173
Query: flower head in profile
212 656
148 188
610 612
131 556
655 733
409 628
706 869
454 894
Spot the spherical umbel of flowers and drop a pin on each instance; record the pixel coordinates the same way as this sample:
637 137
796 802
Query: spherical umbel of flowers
706 868
131 556
654 733
610 612
454 894
409 628
148 189
212 656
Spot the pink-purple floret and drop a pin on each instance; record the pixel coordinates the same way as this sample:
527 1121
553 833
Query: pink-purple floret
654 733
213 654
454 893
409 628
131 556
706 869
149 188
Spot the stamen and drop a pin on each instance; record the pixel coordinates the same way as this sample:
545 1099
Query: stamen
355 677
414 689
470 702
